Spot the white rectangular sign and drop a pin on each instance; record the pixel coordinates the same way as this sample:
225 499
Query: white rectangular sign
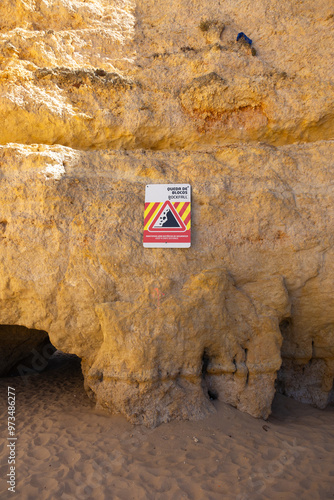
167 217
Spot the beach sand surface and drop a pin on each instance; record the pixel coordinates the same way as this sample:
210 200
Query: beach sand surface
66 449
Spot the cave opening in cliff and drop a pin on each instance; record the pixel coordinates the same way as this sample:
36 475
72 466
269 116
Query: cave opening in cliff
208 391
26 352
331 396
307 380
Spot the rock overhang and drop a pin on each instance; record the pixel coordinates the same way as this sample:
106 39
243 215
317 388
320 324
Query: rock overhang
73 264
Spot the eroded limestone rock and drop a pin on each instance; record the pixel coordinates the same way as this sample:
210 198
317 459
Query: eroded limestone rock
155 87
158 328
161 330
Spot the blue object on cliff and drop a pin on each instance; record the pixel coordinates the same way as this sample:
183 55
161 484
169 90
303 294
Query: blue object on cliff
242 35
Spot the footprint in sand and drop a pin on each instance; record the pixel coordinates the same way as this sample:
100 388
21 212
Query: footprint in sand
42 439
39 453
69 457
42 481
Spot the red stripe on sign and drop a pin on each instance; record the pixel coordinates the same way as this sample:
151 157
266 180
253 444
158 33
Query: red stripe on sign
151 212
187 219
181 227
183 209
176 204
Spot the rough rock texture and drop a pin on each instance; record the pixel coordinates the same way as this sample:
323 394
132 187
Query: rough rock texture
251 128
98 73
155 328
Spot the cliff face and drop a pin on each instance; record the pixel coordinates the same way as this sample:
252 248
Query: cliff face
161 330
123 74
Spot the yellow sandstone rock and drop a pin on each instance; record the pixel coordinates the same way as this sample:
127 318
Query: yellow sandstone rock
119 74
99 98
160 329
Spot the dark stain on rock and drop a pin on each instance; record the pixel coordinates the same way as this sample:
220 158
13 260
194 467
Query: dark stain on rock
68 77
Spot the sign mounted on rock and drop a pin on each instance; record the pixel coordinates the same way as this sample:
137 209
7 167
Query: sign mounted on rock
167 216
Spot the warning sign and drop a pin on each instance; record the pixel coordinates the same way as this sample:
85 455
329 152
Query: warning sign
167 217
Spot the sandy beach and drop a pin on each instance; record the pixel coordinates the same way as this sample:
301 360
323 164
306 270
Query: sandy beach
65 449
